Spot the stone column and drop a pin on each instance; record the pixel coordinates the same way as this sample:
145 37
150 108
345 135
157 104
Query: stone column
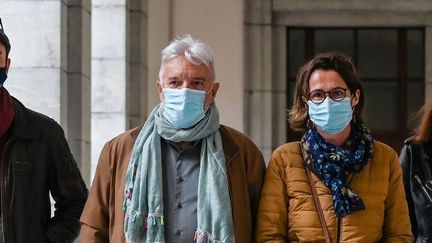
136 62
264 92
159 25
75 79
33 28
108 73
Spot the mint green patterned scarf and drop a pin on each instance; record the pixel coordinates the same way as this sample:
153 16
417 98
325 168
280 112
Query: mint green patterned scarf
143 203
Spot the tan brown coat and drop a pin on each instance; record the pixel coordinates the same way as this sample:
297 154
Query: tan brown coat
287 212
103 215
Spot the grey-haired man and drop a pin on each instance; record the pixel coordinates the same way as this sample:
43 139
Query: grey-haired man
182 177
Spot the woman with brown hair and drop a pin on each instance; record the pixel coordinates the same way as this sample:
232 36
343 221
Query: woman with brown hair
416 161
337 184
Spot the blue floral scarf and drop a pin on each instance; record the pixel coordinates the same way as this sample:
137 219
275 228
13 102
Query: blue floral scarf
332 164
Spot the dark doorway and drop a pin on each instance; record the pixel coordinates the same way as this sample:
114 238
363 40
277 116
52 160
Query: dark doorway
391 68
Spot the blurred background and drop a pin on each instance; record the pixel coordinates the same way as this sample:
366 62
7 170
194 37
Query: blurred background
92 65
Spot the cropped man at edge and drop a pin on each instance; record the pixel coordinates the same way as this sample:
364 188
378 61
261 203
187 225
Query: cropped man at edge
35 161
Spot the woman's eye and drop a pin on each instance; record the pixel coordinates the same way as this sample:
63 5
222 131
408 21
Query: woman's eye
338 94
317 96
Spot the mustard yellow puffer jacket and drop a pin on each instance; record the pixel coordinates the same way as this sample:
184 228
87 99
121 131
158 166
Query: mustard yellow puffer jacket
287 211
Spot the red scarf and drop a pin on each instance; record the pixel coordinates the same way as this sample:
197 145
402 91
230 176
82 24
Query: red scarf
7 114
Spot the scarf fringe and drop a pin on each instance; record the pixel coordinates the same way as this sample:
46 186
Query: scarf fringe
202 236
140 223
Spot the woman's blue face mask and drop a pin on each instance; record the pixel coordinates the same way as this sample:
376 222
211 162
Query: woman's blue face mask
331 116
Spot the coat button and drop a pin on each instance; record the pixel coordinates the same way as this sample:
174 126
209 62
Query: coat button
179 205
180 179
178 232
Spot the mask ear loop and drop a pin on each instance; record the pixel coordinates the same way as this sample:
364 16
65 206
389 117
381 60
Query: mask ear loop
210 90
309 123
305 101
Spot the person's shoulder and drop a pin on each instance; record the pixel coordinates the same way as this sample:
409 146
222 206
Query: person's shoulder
380 148
287 155
233 133
378 145
38 121
384 153
127 137
291 148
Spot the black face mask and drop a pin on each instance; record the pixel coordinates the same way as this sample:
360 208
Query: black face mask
3 76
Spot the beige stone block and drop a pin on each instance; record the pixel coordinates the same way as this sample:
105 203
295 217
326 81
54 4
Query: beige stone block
258 58
258 11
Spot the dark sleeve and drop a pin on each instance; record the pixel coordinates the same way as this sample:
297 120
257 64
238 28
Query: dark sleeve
66 187
405 159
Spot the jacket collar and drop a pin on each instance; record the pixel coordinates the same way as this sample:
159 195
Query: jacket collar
230 148
22 125
135 132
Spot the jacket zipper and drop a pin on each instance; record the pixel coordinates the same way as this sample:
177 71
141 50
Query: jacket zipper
423 188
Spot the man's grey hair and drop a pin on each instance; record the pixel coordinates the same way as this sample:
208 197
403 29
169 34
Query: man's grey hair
195 51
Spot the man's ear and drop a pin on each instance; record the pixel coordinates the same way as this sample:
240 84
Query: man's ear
160 90
215 89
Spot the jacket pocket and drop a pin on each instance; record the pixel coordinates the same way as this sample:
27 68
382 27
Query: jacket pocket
22 180
22 166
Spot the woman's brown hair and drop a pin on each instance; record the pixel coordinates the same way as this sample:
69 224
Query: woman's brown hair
340 63
423 131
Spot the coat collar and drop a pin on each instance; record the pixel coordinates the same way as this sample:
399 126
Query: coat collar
23 126
229 146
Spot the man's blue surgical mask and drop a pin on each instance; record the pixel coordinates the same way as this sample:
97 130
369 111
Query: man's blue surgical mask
331 116
183 108
3 76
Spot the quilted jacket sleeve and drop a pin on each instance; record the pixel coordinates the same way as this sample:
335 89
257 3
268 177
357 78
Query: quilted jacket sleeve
397 226
272 224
